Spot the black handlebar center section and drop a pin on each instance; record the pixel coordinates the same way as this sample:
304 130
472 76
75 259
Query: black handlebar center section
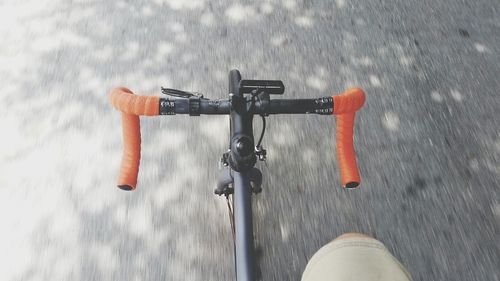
194 106
262 106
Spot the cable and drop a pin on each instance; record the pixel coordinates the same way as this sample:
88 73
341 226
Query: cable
181 94
231 220
263 130
254 95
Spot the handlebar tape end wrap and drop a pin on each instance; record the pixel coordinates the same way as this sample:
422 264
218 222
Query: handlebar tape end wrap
129 169
131 107
345 107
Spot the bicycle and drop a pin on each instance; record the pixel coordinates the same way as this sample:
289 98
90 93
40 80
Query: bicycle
239 177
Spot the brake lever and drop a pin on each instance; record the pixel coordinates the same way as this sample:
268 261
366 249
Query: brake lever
181 94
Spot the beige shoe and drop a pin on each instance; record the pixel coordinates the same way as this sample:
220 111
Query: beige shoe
354 257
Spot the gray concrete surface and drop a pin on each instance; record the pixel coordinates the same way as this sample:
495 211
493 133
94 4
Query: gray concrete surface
428 139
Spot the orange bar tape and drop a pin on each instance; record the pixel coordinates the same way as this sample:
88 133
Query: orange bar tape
345 106
131 107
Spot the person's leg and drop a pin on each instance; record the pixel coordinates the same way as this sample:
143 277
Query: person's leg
354 256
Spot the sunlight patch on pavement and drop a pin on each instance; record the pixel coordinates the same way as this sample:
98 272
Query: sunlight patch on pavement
12 136
14 64
130 50
493 166
492 162
316 82
456 95
170 190
181 37
437 97
141 83
141 221
406 61
360 21
284 135
340 3
375 81
61 268
207 19
104 54
176 27
163 50
304 21
147 11
285 232
105 256
474 165
266 8
220 75
16 242
290 4
278 40
496 145
39 208
239 13
121 4
481 48
188 58
496 209
84 13
383 51
180 34
319 80
57 40
309 156
174 139
90 82
362 61
182 4
391 121
119 214
216 129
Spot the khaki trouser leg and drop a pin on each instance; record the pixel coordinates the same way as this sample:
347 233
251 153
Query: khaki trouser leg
354 257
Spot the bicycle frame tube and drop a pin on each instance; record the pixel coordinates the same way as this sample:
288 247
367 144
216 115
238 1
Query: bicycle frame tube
242 159
242 200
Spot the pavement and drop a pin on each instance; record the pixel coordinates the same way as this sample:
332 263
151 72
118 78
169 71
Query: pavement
427 140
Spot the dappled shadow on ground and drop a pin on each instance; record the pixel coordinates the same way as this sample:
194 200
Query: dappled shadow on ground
421 151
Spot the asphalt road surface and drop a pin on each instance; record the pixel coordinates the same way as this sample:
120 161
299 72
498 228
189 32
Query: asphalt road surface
428 138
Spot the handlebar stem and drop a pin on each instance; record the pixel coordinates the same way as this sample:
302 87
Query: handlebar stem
241 144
